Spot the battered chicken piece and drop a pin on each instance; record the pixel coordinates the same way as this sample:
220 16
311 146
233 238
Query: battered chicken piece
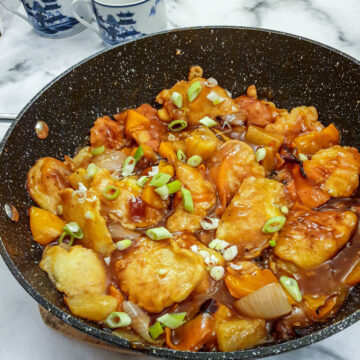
157 274
128 208
203 195
44 181
201 106
256 201
300 120
76 271
85 210
309 238
233 162
107 132
258 112
336 170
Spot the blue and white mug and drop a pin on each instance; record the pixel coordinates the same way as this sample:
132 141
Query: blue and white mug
122 20
52 18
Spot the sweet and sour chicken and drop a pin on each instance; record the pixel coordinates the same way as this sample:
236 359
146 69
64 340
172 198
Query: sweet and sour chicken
205 223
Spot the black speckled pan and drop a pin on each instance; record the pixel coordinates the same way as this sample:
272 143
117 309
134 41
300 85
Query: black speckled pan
293 70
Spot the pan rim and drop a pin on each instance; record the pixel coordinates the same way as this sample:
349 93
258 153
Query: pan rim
264 351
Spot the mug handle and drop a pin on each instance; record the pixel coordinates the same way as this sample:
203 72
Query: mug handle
81 20
14 11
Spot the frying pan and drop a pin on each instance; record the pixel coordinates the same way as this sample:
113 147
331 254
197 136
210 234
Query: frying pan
289 70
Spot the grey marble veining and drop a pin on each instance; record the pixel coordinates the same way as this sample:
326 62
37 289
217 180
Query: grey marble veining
28 62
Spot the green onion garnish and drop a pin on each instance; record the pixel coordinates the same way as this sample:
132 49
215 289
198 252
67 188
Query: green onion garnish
91 170
292 287
207 121
123 244
172 321
156 330
215 98
111 192
160 179
129 166
194 90
177 125
274 224
117 319
97 151
187 200
62 237
260 154
284 209
181 155
272 243
163 191
139 153
303 157
195 160
174 186
142 181
159 233
73 230
177 99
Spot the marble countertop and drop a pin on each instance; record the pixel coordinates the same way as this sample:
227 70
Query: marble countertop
28 62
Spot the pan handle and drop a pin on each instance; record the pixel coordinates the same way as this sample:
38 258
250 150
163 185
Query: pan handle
7 117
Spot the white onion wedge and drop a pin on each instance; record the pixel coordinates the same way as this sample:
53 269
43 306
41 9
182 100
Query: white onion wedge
139 320
269 302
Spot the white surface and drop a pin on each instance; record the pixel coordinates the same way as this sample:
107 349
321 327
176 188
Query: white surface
28 62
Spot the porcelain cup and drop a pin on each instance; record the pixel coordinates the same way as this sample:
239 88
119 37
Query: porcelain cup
52 18
123 20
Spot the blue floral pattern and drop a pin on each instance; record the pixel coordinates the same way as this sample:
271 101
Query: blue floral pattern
118 29
46 17
153 8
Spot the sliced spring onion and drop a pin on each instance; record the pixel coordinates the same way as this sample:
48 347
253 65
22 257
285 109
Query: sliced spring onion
62 238
156 330
163 191
230 253
177 99
211 82
181 155
123 244
217 272
59 210
303 157
292 287
218 244
97 151
269 302
139 153
111 192
209 223
284 209
154 171
160 179
172 321
174 186
177 125
260 154
129 166
89 215
215 98
117 319
194 90
142 180
171 137
274 224
272 243
74 230
91 170
159 233
195 160
162 271
187 200
207 121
